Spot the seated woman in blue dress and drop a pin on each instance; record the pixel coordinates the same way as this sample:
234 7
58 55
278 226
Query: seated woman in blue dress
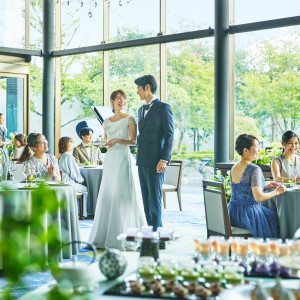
70 170
248 185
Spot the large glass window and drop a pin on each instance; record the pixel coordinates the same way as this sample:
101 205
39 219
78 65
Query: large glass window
36 24
189 15
81 23
128 64
35 95
190 92
267 83
81 88
133 20
12 101
12 24
261 10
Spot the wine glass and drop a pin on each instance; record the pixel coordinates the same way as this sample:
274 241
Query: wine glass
33 171
1 171
38 171
26 170
295 172
12 169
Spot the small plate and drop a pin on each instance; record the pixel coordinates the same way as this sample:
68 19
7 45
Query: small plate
290 261
57 184
243 292
89 167
26 187
99 144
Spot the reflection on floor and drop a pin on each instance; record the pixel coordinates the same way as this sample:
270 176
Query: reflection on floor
190 222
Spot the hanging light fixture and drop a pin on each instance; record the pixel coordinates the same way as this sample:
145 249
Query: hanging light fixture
90 14
120 2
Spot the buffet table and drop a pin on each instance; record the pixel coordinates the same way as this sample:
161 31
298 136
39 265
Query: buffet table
19 205
92 177
42 292
287 207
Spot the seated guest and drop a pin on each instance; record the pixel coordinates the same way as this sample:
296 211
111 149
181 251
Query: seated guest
283 166
20 145
248 185
3 130
35 153
86 152
70 170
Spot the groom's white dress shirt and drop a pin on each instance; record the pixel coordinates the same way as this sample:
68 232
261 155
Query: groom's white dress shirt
150 103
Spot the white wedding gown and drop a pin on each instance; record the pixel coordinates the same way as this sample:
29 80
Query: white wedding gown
119 203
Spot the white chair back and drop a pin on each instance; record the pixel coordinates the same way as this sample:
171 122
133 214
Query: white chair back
172 173
19 173
215 212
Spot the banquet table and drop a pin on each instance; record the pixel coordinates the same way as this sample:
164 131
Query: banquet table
92 177
67 216
287 207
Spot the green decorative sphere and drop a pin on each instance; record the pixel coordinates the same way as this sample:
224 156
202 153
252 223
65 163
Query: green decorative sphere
112 263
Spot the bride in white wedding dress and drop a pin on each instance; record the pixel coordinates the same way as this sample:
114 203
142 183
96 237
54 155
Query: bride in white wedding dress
119 203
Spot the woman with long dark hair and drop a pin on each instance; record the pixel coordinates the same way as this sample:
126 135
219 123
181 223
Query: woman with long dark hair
70 169
283 167
35 153
20 144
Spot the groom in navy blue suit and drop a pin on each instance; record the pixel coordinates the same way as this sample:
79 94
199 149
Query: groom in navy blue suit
155 142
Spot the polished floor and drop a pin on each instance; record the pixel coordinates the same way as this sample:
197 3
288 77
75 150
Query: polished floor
189 223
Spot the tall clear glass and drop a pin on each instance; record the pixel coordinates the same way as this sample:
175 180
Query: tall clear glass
26 170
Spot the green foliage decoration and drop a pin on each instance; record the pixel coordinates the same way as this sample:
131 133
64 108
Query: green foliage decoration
196 155
226 182
24 219
265 158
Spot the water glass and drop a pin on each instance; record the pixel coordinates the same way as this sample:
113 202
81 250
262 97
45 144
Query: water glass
12 169
26 170
1 170
295 172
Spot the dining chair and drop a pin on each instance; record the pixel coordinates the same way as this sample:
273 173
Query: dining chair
172 181
216 212
79 197
19 175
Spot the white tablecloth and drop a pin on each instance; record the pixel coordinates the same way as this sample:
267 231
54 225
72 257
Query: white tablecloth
67 217
92 178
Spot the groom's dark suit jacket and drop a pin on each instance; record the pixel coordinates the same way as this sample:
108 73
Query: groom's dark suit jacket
156 134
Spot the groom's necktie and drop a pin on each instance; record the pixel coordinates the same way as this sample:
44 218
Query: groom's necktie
146 108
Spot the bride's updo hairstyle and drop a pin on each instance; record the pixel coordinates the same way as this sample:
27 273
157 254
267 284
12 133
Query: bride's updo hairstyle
244 141
114 95
32 141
